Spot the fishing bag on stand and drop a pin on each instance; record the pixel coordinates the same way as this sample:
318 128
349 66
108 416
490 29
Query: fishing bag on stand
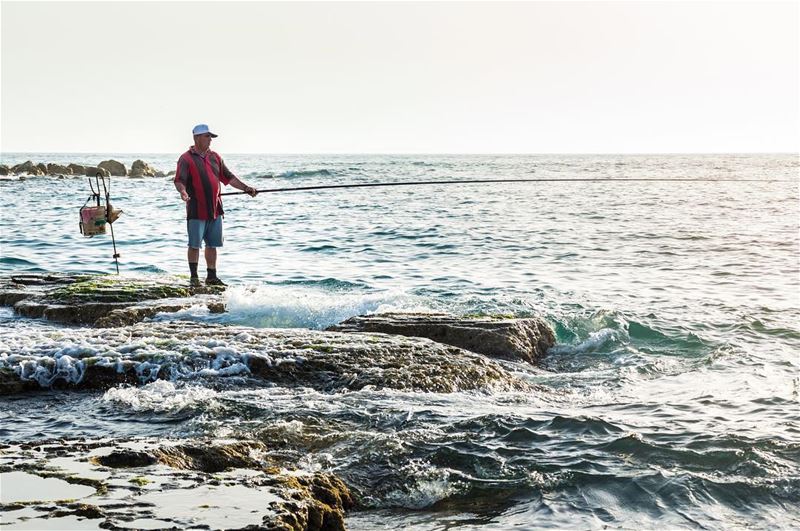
93 219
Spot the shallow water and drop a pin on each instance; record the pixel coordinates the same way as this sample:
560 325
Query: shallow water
671 400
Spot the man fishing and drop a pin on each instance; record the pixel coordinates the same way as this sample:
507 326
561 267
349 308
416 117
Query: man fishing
198 177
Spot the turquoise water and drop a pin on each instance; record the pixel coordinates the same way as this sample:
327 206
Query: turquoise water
671 400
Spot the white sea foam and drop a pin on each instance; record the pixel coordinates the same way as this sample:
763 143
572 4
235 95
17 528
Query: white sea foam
311 306
160 396
64 367
194 312
230 370
425 486
46 356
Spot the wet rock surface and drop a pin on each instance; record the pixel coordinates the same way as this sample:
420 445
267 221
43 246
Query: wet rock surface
99 300
325 361
11 383
497 337
213 485
278 476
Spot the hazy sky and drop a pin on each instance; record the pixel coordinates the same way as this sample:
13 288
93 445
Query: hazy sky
538 77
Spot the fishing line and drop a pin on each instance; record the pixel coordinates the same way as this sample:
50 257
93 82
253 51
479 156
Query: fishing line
474 181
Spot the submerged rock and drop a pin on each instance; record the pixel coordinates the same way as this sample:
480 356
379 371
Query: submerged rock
98 300
11 383
325 361
497 337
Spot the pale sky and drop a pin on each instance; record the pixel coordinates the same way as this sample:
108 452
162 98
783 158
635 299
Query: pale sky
450 77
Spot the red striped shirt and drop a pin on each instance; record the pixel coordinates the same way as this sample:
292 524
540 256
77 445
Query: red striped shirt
202 175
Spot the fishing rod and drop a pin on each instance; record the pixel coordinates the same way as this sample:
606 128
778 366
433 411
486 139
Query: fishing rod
474 181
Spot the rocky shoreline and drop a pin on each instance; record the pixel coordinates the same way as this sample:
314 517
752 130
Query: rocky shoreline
415 352
107 168
114 336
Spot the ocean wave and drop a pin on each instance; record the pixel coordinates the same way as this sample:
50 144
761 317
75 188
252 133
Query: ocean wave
258 175
16 262
325 284
593 343
321 172
315 305
592 458
609 339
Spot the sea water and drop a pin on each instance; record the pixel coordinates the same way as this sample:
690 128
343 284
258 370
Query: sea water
672 399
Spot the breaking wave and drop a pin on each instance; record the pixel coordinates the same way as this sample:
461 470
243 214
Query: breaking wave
321 172
315 305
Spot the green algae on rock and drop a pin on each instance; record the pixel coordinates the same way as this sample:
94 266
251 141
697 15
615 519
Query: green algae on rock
100 300
108 288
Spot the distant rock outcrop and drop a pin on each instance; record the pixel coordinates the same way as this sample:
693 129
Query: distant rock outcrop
58 169
114 167
107 167
497 337
77 169
29 168
140 168
91 171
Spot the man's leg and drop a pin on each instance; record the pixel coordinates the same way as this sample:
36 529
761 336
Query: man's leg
213 239
194 229
211 267
193 256
211 258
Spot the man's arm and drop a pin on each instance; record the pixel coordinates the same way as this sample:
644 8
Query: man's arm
181 177
235 182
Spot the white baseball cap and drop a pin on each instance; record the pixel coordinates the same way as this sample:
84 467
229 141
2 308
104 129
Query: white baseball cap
201 129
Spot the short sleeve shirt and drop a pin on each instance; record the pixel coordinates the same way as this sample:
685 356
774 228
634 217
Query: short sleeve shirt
202 175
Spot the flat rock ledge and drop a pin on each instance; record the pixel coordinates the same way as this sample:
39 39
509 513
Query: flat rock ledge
101 300
133 481
496 337
230 355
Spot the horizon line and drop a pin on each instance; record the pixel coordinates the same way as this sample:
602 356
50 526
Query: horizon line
416 153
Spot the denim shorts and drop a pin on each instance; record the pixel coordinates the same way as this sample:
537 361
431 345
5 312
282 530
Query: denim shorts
201 230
